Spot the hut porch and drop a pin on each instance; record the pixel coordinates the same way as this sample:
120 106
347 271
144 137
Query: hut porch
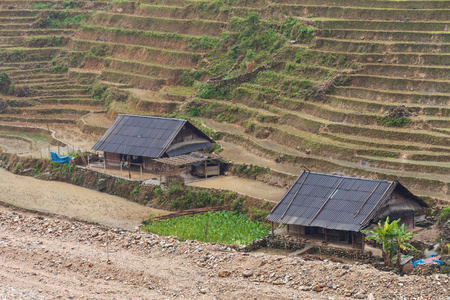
349 239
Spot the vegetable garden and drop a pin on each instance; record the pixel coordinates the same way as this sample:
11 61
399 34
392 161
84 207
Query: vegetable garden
221 227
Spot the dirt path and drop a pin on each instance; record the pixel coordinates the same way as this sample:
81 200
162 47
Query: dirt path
245 186
73 201
54 258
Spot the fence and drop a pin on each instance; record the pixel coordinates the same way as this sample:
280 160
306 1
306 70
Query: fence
62 150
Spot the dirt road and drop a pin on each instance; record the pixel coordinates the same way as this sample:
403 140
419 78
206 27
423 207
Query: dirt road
70 200
245 186
45 257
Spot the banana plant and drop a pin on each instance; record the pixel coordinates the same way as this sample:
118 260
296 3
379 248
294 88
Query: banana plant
401 241
384 234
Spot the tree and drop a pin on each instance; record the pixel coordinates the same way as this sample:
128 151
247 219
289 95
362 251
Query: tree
5 84
401 241
392 238
384 234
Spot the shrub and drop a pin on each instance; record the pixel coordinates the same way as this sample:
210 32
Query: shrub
295 30
444 215
397 121
5 84
213 91
57 19
60 68
24 91
189 77
41 6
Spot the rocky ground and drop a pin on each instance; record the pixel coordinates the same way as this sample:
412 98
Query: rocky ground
45 257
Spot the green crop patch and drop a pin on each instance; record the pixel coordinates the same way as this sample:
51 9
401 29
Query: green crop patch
225 227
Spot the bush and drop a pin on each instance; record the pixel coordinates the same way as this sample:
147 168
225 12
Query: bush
57 19
60 68
213 91
444 215
394 121
24 91
294 29
5 84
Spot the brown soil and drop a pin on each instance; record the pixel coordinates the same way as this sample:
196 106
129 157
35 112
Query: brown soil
70 200
98 120
73 136
14 145
55 258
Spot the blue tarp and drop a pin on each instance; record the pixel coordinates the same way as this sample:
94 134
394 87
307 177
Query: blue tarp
60 158
432 259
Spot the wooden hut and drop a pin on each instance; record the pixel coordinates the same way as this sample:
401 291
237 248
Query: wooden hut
335 208
154 143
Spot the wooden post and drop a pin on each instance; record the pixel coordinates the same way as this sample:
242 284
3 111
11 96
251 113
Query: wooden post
141 172
165 171
120 168
206 231
107 245
129 167
88 165
353 240
272 230
363 242
206 165
58 150
326 235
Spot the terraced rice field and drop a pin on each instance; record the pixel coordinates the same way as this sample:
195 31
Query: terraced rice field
153 55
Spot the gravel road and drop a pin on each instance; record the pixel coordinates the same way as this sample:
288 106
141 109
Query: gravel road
46 257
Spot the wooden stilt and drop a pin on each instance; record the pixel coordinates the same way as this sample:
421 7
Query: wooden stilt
272 230
129 167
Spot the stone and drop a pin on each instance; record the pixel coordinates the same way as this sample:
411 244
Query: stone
317 288
247 273
101 185
224 273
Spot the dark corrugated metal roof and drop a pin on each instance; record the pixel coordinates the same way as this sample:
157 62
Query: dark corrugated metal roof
143 136
332 201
